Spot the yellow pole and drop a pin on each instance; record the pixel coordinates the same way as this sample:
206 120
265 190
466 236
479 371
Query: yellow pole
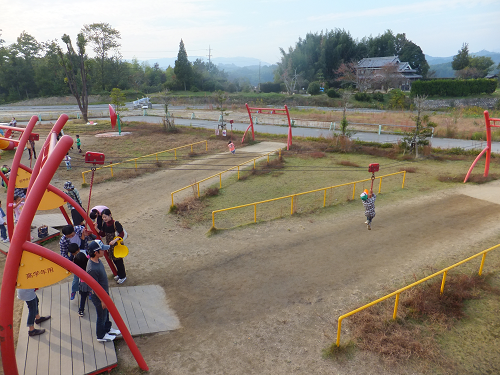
213 219
175 153
198 189
191 148
324 199
111 171
442 283
156 156
339 325
404 178
482 264
135 162
172 195
255 213
83 177
380 185
267 158
291 212
394 315
253 163
238 172
353 190
206 145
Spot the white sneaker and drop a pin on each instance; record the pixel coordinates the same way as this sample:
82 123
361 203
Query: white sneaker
115 332
106 338
116 277
6 240
121 281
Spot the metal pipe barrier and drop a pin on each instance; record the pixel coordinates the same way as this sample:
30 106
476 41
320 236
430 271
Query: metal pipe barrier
227 170
444 271
292 196
110 166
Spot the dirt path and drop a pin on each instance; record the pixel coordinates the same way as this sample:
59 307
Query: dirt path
262 299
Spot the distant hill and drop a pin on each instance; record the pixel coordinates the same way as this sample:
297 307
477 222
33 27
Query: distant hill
249 73
442 65
164 63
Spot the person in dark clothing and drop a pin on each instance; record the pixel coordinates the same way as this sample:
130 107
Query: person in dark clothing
111 229
95 268
80 259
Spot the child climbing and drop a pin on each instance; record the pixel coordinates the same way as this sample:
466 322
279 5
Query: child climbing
368 200
230 144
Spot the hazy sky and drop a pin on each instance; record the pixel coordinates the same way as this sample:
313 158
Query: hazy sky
154 28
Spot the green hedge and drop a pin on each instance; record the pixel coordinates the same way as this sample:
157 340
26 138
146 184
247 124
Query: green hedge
454 88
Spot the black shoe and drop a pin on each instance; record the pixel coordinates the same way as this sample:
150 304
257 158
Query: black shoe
80 313
36 332
42 319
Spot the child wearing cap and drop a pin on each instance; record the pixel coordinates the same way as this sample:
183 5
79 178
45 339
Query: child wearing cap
368 200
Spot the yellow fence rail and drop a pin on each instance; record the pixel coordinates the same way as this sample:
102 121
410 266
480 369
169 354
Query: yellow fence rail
227 170
293 196
110 166
398 292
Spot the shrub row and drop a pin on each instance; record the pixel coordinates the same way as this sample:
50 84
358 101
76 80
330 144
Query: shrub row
454 88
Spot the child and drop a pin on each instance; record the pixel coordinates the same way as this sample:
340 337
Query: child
3 231
67 161
369 204
230 144
80 259
78 143
31 299
18 206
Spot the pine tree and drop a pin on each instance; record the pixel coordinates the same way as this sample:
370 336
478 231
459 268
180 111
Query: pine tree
461 59
182 69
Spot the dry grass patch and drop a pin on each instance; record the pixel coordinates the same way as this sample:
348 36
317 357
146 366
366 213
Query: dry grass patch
423 313
348 163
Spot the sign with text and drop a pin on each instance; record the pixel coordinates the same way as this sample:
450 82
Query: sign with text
38 272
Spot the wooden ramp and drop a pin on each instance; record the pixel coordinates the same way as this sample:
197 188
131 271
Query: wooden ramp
69 345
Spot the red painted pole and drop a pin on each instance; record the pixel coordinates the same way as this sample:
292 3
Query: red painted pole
488 143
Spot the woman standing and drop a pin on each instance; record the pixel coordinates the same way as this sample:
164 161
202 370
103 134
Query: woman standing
108 230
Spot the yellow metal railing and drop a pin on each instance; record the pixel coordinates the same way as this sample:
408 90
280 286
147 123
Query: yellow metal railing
110 166
227 170
398 292
292 196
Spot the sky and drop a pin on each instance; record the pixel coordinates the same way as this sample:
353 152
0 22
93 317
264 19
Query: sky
259 28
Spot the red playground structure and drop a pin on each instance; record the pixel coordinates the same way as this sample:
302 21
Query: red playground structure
269 111
490 123
29 265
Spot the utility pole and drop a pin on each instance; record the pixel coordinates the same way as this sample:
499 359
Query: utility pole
209 55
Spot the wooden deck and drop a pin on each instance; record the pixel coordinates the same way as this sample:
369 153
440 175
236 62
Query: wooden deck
69 345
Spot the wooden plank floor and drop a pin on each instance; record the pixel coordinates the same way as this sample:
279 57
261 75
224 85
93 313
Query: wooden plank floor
69 345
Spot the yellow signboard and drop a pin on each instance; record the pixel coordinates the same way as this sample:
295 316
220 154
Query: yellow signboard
50 201
23 178
38 272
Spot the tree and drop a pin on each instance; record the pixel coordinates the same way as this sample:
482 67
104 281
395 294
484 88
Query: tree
345 97
461 59
75 67
346 75
313 88
409 52
483 64
423 127
168 123
182 68
118 100
389 77
103 39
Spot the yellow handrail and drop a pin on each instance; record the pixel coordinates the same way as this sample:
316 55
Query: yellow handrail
145 156
444 271
308 192
227 170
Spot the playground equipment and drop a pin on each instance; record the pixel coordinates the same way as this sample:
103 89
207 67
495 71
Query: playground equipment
490 123
269 111
41 262
373 168
120 250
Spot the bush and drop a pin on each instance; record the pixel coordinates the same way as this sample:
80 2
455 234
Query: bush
332 93
313 88
362 97
454 87
270 87
378 96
